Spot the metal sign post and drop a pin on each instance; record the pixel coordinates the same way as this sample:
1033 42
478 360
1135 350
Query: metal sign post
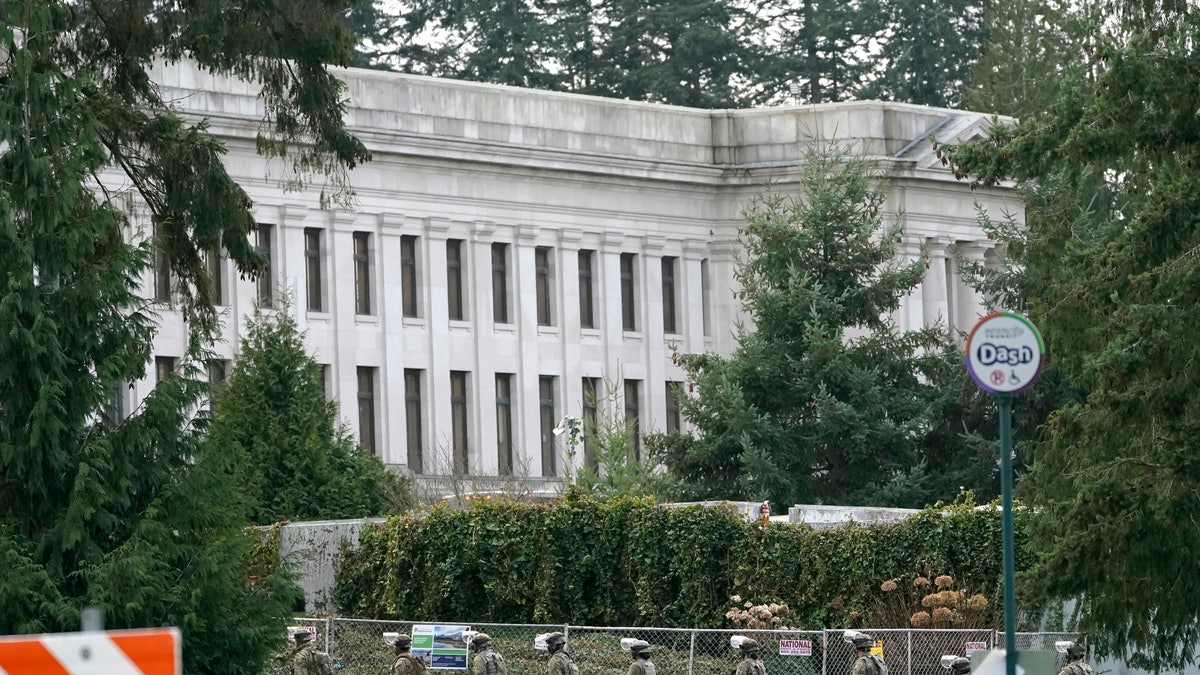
1005 354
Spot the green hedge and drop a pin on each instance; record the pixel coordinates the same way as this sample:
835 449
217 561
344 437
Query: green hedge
629 562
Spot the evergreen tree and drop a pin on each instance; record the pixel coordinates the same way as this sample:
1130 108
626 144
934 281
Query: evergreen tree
132 512
300 462
927 50
823 401
499 41
821 47
681 52
1118 152
1030 45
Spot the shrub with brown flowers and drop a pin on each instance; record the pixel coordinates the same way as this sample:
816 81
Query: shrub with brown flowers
919 606
766 616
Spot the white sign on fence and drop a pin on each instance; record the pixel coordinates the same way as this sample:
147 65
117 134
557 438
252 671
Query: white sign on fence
795 647
973 647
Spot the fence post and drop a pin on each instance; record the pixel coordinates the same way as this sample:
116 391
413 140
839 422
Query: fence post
329 636
909 632
824 652
692 652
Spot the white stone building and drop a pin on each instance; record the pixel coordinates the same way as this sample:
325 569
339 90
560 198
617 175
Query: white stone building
513 249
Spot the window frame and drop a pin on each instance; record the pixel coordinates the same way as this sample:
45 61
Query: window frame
314 276
414 418
587 288
500 282
409 276
455 291
628 265
368 423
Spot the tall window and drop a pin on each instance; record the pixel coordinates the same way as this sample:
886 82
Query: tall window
674 418
542 261
628 303
366 408
587 317
454 278
266 280
116 403
163 367
162 268
327 380
669 294
312 268
218 372
504 426
216 273
500 283
412 419
408 274
458 420
546 406
633 392
705 298
362 272
591 398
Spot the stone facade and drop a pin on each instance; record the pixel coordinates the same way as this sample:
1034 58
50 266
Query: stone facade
501 206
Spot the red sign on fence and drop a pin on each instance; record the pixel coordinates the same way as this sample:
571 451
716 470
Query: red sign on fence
795 647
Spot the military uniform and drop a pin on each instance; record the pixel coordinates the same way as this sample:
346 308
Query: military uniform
489 662
560 663
868 665
750 667
1077 668
308 661
642 667
407 664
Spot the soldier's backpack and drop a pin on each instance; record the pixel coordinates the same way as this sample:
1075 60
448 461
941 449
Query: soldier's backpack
314 663
879 664
493 663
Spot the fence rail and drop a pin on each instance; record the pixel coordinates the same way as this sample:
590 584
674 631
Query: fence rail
356 647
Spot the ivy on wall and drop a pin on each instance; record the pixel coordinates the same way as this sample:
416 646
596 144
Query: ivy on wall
631 562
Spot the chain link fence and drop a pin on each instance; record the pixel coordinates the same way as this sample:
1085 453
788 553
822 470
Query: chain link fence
356 647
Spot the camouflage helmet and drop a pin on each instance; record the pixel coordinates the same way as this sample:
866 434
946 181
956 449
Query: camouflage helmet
960 666
1075 651
556 638
400 640
481 640
749 645
862 641
303 636
640 647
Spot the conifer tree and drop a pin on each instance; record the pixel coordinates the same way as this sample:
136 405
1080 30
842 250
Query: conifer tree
1113 265
301 462
824 400
123 509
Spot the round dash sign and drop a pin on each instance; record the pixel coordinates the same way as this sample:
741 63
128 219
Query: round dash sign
1005 353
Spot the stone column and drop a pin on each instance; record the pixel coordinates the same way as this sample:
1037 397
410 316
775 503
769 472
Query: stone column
692 296
390 308
439 457
527 438
484 457
654 396
933 285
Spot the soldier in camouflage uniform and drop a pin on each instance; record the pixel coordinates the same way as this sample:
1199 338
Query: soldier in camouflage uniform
642 665
560 662
1075 664
751 663
405 663
487 661
867 663
306 660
